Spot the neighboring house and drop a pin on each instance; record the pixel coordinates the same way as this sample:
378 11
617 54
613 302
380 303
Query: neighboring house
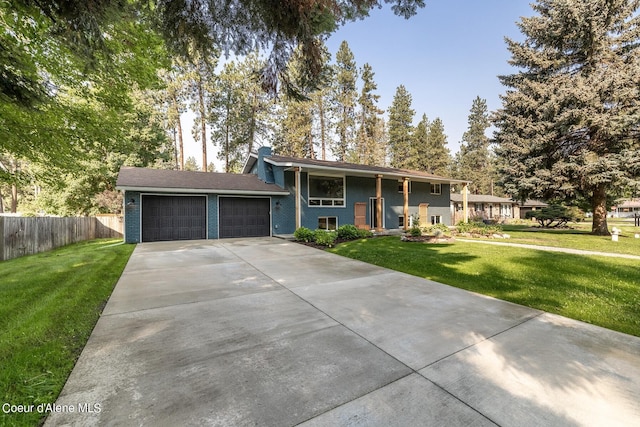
626 208
529 206
274 196
483 207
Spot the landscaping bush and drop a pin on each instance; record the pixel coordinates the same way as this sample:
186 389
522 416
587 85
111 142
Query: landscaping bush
478 228
325 238
364 234
415 231
348 232
555 215
433 229
303 234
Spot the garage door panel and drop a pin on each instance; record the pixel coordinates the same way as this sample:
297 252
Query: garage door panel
245 217
173 218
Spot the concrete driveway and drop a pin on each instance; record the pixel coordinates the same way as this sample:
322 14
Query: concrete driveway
271 333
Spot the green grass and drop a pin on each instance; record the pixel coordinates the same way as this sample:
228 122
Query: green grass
50 303
598 290
578 237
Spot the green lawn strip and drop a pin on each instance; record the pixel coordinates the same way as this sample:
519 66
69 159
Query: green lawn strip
50 304
576 239
598 290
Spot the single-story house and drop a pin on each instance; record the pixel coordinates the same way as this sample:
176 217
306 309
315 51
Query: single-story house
275 195
530 205
484 207
626 208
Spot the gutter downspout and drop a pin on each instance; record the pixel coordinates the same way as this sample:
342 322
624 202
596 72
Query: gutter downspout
405 209
378 203
296 171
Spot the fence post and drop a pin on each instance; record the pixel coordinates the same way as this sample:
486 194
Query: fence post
637 219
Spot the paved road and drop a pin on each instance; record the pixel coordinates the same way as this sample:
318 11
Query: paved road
271 333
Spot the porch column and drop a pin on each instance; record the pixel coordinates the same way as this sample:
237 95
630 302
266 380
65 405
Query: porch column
465 204
378 202
405 209
296 171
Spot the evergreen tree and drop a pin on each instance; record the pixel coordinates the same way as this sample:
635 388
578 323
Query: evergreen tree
569 122
201 79
401 129
474 161
438 153
344 98
367 151
420 145
191 164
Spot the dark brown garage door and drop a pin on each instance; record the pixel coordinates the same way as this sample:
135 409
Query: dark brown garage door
173 218
244 217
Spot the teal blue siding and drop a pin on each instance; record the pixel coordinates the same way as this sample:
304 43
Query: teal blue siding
132 217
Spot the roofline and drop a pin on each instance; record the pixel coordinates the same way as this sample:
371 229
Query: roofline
203 191
435 179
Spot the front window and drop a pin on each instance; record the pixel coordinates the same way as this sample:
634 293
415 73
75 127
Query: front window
436 188
327 223
436 219
505 210
326 190
401 187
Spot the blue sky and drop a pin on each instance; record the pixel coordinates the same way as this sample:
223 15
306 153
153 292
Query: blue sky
446 55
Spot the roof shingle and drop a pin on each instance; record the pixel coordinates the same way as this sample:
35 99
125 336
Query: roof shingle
144 178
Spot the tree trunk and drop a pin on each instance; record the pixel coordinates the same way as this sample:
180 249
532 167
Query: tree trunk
323 148
174 101
14 198
599 204
203 123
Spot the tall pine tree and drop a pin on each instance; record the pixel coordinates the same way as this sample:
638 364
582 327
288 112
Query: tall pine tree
401 129
474 161
569 123
345 98
367 151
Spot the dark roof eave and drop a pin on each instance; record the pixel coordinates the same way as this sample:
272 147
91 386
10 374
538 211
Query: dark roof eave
365 171
202 191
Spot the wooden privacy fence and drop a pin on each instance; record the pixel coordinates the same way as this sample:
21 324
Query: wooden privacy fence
29 235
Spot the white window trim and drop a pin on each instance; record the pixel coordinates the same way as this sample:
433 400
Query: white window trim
438 186
401 188
320 200
439 219
327 218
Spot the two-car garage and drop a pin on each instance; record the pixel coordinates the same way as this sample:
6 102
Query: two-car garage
184 217
161 204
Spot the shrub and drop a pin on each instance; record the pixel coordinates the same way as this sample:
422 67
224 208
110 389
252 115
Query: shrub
415 231
348 232
478 228
304 234
438 227
325 238
364 234
557 214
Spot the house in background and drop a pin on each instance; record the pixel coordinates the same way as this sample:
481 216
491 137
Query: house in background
483 207
530 206
626 208
275 195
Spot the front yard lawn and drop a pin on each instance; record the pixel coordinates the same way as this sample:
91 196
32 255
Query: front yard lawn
578 237
598 290
50 303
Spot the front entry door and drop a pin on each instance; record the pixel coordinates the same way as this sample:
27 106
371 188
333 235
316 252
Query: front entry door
373 203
